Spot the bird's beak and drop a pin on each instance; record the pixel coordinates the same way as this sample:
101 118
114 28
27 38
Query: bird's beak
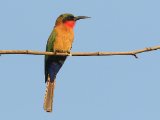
80 17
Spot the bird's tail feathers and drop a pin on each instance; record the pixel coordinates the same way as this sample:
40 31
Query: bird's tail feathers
48 99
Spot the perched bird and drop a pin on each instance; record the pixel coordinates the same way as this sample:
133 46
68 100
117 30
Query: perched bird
60 40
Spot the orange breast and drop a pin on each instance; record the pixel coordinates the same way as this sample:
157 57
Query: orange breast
64 38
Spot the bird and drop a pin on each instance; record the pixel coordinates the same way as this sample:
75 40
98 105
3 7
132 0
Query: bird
59 41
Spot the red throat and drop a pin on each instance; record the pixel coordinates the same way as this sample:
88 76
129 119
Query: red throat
70 24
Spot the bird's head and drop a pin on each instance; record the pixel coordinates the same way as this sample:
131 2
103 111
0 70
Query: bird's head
69 20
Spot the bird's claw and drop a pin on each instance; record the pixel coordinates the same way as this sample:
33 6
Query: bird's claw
69 53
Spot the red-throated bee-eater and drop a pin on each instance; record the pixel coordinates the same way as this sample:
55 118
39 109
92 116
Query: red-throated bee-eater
60 40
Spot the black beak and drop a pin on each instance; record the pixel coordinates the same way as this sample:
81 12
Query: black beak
80 17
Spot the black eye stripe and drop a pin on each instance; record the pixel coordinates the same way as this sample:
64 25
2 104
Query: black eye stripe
68 18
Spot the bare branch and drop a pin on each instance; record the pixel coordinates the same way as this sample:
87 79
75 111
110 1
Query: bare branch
132 53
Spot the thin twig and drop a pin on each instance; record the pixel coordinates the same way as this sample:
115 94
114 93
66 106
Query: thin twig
133 53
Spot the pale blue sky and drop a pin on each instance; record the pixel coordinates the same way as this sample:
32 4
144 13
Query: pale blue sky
96 88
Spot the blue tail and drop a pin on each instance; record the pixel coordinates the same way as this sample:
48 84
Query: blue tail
52 66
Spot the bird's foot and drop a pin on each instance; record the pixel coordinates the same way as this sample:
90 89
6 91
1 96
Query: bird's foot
63 51
60 51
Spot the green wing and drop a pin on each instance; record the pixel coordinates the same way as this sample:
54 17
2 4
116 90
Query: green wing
49 48
51 41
